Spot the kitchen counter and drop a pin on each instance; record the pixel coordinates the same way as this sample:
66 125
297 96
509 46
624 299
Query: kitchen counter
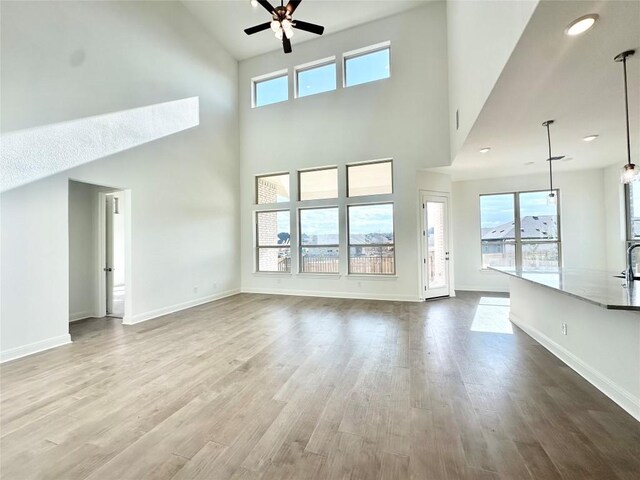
589 320
598 287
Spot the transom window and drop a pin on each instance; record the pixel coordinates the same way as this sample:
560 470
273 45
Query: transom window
368 65
520 230
374 178
318 184
272 188
270 90
317 78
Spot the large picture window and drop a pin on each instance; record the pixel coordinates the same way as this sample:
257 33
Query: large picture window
319 240
273 241
632 207
371 239
520 230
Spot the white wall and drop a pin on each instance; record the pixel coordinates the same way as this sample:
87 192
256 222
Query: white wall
64 61
83 250
404 117
582 215
481 37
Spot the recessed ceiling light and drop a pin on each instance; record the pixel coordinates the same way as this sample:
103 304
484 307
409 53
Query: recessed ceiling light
581 25
590 138
529 163
485 149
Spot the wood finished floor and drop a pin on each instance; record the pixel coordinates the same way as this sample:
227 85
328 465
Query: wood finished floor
271 387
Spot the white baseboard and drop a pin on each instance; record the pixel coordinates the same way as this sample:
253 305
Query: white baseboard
35 347
480 288
74 317
615 392
143 317
315 293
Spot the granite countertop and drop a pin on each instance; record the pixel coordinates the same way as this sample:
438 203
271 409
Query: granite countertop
595 286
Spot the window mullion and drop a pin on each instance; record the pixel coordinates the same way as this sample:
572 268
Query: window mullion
518 230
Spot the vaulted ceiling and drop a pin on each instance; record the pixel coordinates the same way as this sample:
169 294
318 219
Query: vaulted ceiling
226 20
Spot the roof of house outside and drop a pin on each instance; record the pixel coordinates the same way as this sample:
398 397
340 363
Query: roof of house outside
532 227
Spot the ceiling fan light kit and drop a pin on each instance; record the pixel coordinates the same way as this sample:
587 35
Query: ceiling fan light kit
282 23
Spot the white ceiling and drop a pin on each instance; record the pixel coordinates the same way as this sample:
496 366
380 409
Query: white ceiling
227 19
572 80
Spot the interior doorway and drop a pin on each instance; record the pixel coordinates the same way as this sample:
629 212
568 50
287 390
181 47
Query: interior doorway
99 251
436 253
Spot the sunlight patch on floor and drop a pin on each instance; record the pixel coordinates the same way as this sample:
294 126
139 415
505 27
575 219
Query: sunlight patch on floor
492 316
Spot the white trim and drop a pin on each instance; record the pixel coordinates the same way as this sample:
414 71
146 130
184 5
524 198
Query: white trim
316 293
35 347
143 317
615 392
74 317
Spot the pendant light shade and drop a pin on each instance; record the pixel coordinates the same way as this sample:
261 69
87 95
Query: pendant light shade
552 198
630 172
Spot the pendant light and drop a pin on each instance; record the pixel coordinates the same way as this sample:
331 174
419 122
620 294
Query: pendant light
552 199
630 172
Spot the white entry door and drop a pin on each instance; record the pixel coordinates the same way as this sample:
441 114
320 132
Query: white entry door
436 248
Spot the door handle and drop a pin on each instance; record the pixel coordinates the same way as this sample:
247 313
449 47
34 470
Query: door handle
108 269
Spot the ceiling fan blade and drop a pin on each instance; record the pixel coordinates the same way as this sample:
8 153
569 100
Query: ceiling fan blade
292 5
308 27
257 28
267 6
286 44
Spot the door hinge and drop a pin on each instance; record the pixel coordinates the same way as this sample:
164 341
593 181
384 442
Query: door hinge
424 234
424 260
423 205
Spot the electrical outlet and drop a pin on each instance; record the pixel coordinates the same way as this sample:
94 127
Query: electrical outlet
195 289
564 328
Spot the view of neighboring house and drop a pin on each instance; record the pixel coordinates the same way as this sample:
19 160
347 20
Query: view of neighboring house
538 233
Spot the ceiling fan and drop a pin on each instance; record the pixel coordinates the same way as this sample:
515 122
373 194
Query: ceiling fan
283 23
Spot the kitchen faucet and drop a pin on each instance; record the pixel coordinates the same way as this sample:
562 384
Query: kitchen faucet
629 274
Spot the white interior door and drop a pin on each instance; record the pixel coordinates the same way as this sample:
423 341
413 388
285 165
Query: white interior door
436 248
114 267
108 264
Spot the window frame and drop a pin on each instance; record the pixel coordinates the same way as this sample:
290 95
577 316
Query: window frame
258 246
319 169
265 78
518 242
266 175
305 67
371 162
301 246
349 244
361 52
